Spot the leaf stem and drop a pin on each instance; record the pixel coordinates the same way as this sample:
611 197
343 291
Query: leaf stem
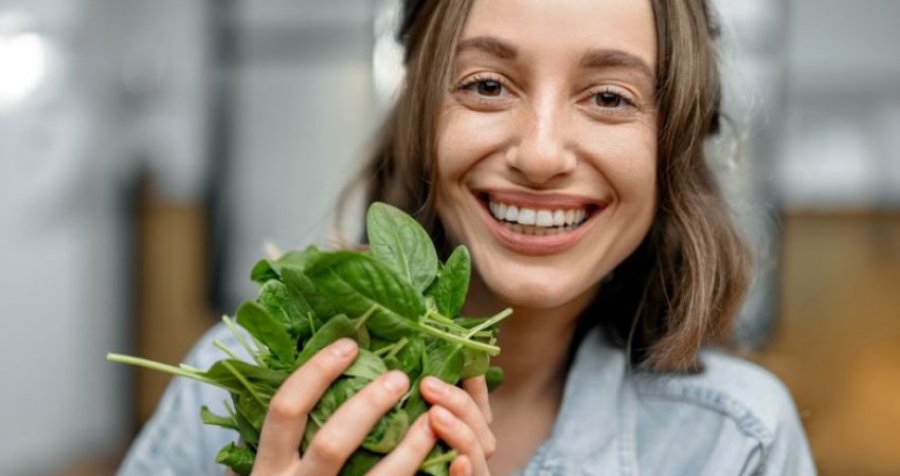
491 350
490 322
363 318
246 383
224 348
397 347
240 337
169 369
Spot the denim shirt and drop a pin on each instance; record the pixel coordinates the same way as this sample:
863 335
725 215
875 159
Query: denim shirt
734 418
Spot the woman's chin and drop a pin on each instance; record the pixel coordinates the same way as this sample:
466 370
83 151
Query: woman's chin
536 294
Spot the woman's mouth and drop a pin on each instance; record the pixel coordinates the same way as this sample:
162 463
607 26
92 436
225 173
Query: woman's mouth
537 224
537 221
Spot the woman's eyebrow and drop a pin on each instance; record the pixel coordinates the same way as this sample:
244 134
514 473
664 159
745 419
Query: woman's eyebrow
490 45
611 58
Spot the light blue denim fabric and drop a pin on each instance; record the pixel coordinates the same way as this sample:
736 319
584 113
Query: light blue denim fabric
733 419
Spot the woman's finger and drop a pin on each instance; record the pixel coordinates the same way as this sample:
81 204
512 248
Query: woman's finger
459 436
409 454
346 429
461 466
463 406
477 388
285 421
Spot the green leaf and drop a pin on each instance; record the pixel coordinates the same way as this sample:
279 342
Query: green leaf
450 287
360 463
261 377
409 358
288 306
266 329
475 363
238 458
400 242
267 269
494 377
445 361
437 463
366 366
355 282
387 432
210 418
335 328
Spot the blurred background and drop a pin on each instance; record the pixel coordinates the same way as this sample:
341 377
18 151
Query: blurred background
149 149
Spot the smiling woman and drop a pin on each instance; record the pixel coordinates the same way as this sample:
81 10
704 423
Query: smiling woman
562 143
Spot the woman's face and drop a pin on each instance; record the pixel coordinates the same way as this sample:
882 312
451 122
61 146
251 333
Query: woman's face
546 144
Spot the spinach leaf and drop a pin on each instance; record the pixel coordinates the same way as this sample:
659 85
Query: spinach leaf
366 366
238 458
210 418
450 287
475 363
445 361
264 328
335 328
494 377
258 376
267 269
360 463
400 242
355 282
387 432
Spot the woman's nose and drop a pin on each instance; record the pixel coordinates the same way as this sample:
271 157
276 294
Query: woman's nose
543 152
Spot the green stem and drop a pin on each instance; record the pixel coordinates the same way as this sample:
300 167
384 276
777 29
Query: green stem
241 340
224 348
169 369
439 317
244 382
365 317
490 322
491 350
397 347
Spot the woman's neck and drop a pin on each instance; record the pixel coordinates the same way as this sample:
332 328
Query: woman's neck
535 343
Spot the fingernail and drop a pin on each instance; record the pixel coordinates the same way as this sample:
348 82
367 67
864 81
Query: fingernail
343 347
434 384
395 381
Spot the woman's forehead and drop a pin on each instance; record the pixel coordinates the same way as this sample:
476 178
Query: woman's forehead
569 30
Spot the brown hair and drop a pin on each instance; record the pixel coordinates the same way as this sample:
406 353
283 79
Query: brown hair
684 284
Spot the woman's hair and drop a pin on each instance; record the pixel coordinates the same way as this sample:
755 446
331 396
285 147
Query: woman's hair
683 285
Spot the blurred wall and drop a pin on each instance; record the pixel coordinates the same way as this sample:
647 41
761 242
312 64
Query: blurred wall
119 93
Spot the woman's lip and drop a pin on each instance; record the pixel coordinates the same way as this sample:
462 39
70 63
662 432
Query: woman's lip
533 244
549 200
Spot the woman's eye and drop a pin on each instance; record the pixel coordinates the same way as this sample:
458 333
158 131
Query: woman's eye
485 87
609 99
489 88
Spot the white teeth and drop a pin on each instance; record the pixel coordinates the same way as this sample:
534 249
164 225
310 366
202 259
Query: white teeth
544 218
570 218
512 213
527 216
559 218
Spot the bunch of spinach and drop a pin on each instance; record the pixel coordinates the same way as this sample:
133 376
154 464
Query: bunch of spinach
396 300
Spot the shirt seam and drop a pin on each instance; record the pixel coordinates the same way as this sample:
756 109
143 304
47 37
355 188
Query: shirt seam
745 419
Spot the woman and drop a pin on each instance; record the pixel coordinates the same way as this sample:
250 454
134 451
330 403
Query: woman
562 142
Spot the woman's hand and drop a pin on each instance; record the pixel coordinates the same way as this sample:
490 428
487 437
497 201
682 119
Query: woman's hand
344 431
460 417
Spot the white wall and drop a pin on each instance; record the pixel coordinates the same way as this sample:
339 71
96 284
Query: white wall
67 158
